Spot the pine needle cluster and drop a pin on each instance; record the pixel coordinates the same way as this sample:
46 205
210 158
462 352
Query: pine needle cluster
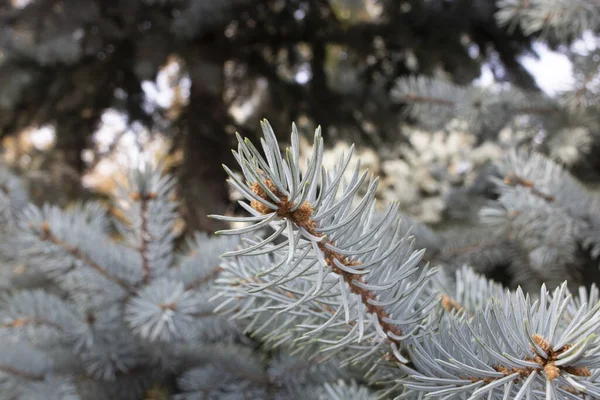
321 268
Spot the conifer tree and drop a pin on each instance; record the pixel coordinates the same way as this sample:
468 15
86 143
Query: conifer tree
95 306
541 227
563 126
321 269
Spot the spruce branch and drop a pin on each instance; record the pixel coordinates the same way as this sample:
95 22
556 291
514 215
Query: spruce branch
342 391
13 198
346 278
434 102
581 100
513 179
36 308
164 311
226 371
210 276
513 347
146 203
546 213
21 363
340 264
317 269
21 374
47 235
21 322
144 234
72 249
51 388
562 18
200 263
94 339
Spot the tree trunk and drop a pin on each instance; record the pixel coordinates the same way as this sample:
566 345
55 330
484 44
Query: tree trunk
206 144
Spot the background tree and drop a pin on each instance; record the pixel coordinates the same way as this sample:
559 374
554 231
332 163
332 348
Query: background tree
65 63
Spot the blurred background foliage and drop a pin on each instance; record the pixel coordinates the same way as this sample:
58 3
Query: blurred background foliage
90 86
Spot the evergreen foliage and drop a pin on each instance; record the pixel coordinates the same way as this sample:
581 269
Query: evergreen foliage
541 228
559 18
436 102
328 295
342 283
321 294
101 307
564 126
541 224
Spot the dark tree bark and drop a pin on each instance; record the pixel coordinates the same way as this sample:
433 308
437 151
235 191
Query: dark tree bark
206 145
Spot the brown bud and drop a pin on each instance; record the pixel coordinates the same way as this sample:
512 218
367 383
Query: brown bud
552 371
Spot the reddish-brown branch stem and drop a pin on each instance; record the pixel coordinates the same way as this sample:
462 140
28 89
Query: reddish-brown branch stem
144 199
144 239
546 364
302 217
19 322
365 295
48 235
515 180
